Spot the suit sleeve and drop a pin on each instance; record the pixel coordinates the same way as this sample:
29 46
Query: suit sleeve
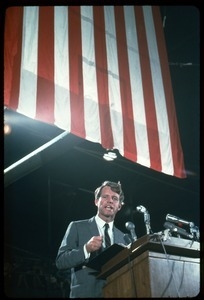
71 253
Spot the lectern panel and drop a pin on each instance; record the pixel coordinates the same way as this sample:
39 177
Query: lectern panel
144 271
153 275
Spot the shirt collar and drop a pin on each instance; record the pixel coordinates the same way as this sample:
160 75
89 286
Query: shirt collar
101 223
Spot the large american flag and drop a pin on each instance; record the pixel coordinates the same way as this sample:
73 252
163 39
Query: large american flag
98 72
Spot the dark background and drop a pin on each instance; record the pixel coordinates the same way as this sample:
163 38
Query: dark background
40 199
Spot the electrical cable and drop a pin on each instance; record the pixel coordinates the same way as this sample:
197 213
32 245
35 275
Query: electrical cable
168 262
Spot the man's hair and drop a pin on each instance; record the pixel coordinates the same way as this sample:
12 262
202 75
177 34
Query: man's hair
115 187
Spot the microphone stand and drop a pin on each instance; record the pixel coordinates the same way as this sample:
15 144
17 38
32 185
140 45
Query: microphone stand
147 222
130 267
194 231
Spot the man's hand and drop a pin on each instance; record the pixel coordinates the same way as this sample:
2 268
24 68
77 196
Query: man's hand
94 244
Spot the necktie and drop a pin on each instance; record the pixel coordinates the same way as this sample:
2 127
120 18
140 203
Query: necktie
107 237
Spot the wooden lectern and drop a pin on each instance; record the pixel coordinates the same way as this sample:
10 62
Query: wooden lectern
150 267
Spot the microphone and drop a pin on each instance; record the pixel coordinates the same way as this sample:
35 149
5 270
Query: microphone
131 227
144 211
176 229
175 219
141 209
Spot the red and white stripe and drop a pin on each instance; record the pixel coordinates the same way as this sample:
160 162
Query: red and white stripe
99 72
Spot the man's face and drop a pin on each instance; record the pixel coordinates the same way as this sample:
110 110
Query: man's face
108 204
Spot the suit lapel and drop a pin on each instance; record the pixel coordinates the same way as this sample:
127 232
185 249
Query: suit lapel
116 236
94 232
93 227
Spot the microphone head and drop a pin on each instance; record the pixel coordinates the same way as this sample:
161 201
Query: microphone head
171 218
177 220
169 225
141 209
177 230
129 225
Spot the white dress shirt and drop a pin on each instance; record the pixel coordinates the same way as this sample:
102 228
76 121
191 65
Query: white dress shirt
100 224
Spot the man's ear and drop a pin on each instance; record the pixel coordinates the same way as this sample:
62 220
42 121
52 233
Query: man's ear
96 202
119 207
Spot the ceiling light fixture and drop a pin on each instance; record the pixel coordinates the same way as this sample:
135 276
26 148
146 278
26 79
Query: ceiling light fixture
110 156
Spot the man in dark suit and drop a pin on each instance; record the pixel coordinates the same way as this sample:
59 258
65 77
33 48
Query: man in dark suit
84 239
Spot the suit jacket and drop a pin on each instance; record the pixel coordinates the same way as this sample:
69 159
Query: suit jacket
84 283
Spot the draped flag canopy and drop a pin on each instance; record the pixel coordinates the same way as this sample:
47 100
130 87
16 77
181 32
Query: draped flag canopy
98 72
